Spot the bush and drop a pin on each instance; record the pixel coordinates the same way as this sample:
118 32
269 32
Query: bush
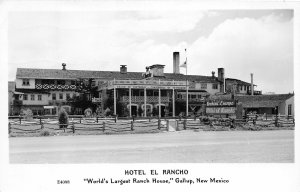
88 112
27 113
45 133
63 118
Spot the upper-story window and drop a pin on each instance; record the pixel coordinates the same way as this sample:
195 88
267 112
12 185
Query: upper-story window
203 85
53 96
32 97
39 97
215 86
25 97
61 96
26 82
68 96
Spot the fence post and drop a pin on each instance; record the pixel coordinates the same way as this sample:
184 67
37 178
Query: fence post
158 124
42 125
276 121
9 128
167 125
80 120
103 126
73 127
40 120
20 119
116 119
132 126
97 119
184 124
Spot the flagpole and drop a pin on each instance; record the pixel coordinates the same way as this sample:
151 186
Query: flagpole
186 87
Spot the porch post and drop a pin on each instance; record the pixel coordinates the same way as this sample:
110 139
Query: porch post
145 102
115 98
173 99
159 112
129 101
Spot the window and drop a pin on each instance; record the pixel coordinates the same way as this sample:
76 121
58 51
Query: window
290 109
26 82
32 97
245 87
61 96
25 97
203 85
39 97
193 96
53 96
68 96
215 86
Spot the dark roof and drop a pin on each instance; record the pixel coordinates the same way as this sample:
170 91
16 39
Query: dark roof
77 74
239 82
74 74
258 101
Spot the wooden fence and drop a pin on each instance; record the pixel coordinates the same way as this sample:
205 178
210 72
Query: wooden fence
99 125
88 125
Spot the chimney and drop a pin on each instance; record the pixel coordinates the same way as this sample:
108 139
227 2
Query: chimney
176 62
123 69
64 66
213 74
221 72
252 90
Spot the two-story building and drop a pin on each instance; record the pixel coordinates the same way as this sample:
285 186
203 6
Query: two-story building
45 90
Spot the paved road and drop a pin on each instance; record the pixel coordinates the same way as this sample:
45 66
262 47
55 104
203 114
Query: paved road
168 147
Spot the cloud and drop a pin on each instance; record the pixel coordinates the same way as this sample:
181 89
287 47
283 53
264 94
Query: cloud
242 46
105 40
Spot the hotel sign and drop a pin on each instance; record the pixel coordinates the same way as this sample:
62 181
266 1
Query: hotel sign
220 107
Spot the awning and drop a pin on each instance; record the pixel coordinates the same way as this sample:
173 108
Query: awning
48 107
17 93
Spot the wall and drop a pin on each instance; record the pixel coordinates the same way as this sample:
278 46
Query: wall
44 100
283 107
19 84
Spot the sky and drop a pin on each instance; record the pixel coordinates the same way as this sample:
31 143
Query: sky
241 41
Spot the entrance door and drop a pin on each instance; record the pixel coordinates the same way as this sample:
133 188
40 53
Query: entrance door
133 110
162 108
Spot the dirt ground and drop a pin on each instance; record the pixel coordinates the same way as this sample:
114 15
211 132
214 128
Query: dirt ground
165 147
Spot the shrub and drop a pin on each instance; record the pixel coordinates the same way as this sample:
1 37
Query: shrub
45 133
88 112
63 118
107 112
27 113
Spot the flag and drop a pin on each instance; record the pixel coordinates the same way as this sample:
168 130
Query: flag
184 65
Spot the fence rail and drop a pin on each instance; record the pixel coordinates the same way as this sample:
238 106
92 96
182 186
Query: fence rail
78 124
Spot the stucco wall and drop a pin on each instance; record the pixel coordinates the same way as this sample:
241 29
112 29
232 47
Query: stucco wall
19 84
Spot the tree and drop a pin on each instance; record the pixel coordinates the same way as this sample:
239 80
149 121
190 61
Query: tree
27 113
63 118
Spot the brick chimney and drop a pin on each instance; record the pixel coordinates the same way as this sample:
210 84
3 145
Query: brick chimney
64 66
176 59
213 74
221 73
123 69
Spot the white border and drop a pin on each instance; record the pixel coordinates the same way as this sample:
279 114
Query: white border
243 176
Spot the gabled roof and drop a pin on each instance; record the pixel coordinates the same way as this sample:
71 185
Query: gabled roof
258 101
239 82
77 74
74 74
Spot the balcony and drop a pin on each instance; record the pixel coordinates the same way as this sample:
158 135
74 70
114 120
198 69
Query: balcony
55 87
140 99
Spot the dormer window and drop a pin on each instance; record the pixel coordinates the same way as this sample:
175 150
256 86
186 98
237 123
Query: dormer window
25 82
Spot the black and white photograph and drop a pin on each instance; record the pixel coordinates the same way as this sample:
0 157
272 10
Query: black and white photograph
152 93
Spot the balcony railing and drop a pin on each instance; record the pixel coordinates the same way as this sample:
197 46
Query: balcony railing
150 99
55 87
